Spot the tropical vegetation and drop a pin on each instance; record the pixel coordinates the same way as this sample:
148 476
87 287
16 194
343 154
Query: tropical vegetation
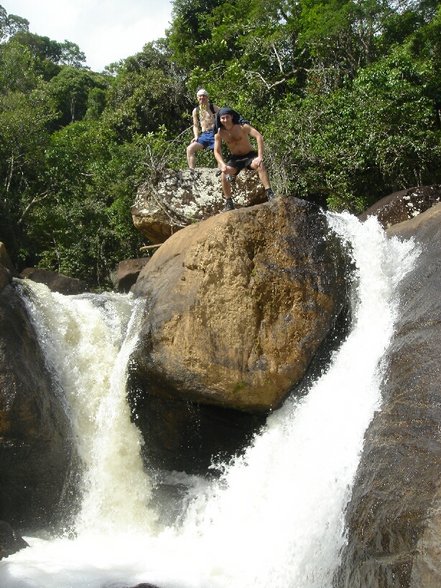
347 94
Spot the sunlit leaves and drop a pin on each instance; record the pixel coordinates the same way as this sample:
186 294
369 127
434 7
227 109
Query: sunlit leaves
69 91
17 69
147 92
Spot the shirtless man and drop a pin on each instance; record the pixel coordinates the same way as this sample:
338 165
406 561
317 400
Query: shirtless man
237 137
203 127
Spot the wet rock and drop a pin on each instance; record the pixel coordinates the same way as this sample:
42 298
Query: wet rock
55 281
5 260
403 205
10 541
126 273
7 270
5 277
35 451
394 517
185 436
144 585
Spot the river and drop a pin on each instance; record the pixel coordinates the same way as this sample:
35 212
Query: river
275 517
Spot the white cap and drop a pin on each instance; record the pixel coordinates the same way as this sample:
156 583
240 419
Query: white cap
202 92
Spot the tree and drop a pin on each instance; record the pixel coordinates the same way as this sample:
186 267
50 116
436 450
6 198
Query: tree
348 148
84 226
24 136
10 24
189 30
17 69
49 55
69 91
147 93
71 55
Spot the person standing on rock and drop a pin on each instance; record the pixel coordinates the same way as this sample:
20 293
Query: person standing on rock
237 137
203 127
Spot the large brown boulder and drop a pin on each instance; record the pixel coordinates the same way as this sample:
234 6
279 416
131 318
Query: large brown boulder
35 451
394 517
238 305
182 197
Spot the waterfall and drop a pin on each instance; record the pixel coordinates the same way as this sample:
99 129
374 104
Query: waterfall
275 517
88 340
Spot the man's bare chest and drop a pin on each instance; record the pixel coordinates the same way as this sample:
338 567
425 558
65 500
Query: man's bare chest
234 137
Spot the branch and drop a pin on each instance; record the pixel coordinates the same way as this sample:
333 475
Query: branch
147 247
268 86
32 203
278 58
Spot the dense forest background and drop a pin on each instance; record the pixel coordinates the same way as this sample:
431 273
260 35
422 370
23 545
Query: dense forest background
347 94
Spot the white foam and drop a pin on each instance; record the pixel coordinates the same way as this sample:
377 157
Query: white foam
275 518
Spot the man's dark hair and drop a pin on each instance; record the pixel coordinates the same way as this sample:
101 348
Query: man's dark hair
238 119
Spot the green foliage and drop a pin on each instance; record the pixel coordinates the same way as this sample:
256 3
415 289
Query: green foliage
146 93
17 69
71 55
24 136
84 226
349 148
190 30
346 93
10 24
73 91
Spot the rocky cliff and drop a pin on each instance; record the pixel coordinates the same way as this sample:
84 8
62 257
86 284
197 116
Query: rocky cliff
35 447
394 517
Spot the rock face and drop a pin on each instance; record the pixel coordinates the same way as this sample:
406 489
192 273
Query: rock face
5 277
181 198
126 273
238 305
55 281
7 270
10 542
5 260
35 451
403 205
394 517
184 436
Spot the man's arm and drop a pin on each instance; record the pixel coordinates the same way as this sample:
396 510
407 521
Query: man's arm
218 151
195 124
259 140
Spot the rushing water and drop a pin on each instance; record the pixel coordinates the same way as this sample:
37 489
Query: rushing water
275 517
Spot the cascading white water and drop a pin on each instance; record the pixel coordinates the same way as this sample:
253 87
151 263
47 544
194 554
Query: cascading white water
275 518
88 340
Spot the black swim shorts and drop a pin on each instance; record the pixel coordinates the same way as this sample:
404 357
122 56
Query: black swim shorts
240 162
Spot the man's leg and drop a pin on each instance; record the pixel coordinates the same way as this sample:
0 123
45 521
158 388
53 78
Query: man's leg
227 176
263 176
192 149
226 184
